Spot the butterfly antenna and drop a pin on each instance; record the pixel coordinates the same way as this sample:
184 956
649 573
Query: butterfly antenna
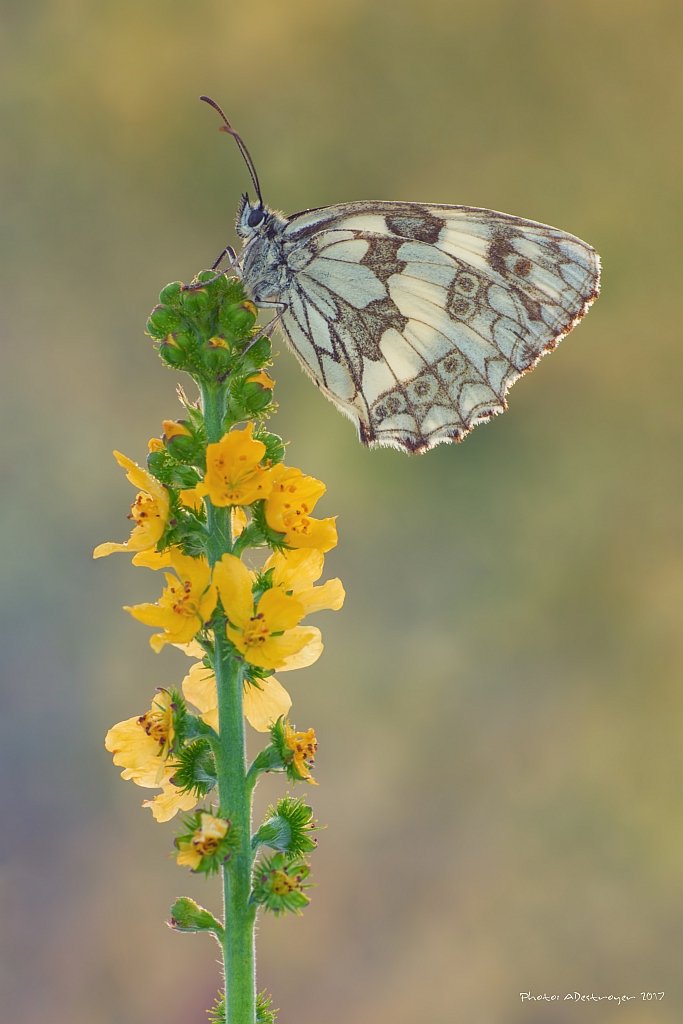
246 156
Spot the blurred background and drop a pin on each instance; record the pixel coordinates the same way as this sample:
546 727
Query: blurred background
500 704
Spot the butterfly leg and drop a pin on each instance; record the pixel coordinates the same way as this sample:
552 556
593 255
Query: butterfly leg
272 324
229 252
233 265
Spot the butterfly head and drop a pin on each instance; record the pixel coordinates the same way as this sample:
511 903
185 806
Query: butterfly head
251 217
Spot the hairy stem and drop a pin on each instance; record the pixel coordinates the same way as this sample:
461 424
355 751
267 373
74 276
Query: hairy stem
235 803
233 790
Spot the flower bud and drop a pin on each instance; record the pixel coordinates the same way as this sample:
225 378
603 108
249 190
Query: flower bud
180 441
162 321
238 318
172 353
258 354
188 916
196 303
257 392
171 294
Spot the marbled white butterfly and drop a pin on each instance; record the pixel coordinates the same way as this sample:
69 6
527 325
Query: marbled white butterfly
414 319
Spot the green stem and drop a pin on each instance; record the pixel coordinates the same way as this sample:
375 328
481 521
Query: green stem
234 791
218 519
235 802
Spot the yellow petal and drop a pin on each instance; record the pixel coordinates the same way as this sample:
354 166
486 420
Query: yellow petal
153 559
108 548
316 533
174 428
234 582
234 475
307 655
279 610
277 649
238 521
143 480
137 753
295 569
192 498
265 702
199 688
166 804
330 596
193 650
187 856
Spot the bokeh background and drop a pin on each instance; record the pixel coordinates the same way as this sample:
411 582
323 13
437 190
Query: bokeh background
500 705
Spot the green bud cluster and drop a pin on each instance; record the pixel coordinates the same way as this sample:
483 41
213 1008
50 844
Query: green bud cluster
211 333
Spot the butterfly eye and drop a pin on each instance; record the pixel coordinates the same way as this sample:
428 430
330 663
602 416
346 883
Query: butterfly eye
256 216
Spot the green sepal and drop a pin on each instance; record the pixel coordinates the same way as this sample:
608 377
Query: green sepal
186 531
264 1012
273 538
287 828
180 718
267 760
194 769
250 537
278 884
275 446
166 468
263 582
188 916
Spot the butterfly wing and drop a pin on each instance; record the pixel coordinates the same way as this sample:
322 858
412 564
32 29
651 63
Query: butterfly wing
415 320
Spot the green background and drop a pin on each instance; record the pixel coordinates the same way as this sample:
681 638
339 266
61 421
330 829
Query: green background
499 706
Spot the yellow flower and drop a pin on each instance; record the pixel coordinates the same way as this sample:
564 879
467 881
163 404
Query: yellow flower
187 602
264 701
297 570
289 504
140 746
149 511
267 633
303 746
204 842
234 475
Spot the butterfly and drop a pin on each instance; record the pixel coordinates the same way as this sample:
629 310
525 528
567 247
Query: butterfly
414 319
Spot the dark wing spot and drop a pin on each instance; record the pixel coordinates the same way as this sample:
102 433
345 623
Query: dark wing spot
420 226
499 251
367 325
523 267
382 257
